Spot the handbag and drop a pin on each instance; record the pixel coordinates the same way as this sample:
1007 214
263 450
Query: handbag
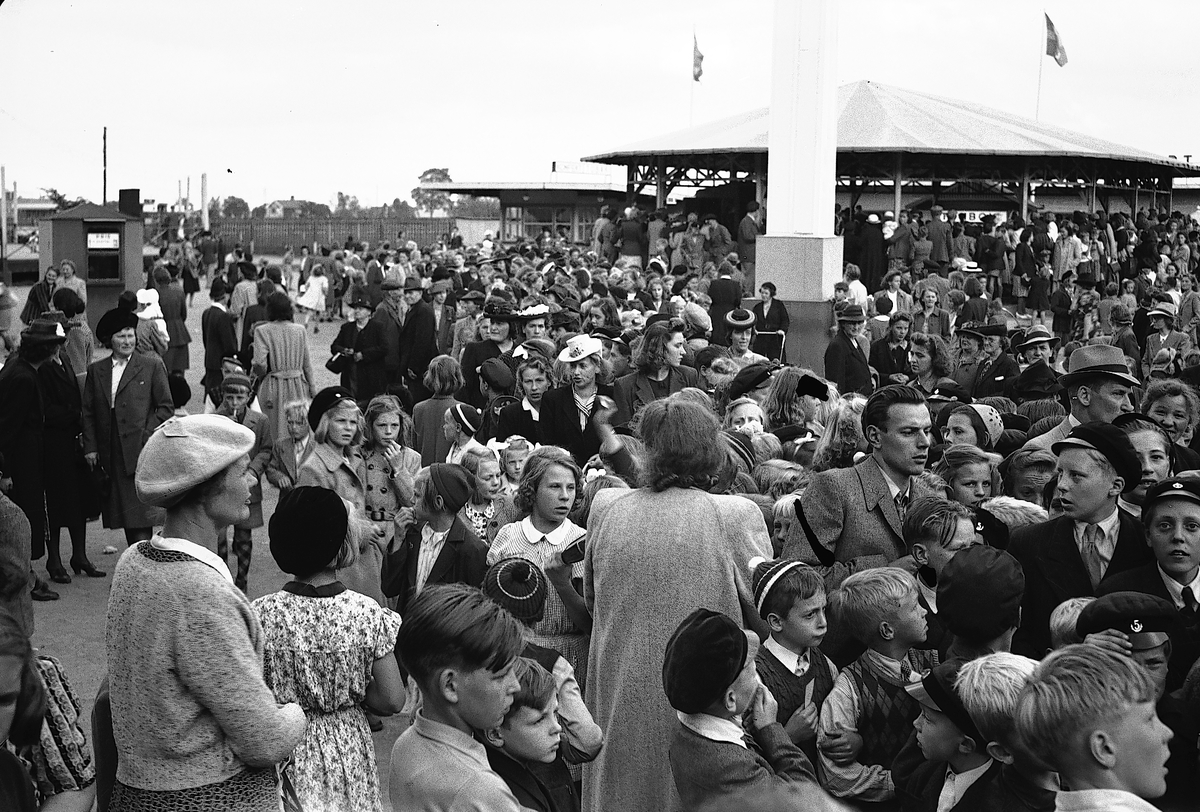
337 364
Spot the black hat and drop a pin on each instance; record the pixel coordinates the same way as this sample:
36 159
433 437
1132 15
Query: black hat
851 313
307 529
497 309
472 296
980 329
1036 382
325 400
813 386
1147 620
740 319
45 331
1173 488
359 301
412 283
750 378
497 374
936 691
950 391
1110 441
519 587
704 657
218 289
979 593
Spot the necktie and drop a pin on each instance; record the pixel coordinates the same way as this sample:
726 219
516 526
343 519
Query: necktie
801 666
905 671
1190 604
901 500
1090 553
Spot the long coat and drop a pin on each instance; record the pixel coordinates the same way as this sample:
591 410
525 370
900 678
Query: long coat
418 345
651 560
633 391
174 308
559 419
281 354
21 440
846 365
726 297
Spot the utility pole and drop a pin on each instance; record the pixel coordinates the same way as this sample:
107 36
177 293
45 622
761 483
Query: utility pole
4 228
104 190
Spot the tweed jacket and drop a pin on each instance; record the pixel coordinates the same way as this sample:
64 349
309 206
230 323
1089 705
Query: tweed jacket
631 392
1054 571
143 402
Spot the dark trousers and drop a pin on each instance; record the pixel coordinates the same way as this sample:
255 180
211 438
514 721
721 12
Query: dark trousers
242 547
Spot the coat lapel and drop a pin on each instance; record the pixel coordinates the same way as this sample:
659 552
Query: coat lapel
104 371
131 372
1131 550
1064 566
449 553
876 493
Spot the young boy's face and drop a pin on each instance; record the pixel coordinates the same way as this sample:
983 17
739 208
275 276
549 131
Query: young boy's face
972 484
936 556
1084 488
514 463
1140 739
297 427
235 399
1155 661
533 735
483 696
1030 485
1173 532
909 624
937 736
449 428
804 625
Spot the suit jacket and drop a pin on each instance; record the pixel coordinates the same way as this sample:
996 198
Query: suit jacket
560 423
216 328
143 402
418 340
1043 442
1175 340
925 786
516 419
994 377
283 461
444 332
705 770
846 365
463 560
633 391
1185 643
1054 571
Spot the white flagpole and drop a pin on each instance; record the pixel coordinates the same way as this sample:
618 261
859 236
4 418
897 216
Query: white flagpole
692 93
1041 63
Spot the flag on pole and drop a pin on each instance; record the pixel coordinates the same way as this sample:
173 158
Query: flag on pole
1054 46
698 59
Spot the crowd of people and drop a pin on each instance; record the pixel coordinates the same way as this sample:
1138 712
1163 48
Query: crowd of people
572 517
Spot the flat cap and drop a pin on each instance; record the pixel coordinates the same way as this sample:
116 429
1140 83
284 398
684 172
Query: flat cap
185 452
1110 441
497 374
1148 620
936 691
750 378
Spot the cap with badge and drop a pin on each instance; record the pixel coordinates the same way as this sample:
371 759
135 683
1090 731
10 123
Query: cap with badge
1174 488
704 657
948 390
936 692
1147 620
1110 441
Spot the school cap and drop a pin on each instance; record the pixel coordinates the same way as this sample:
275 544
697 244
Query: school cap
703 658
750 378
764 580
497 374
979 593
1147 620
467 417
519 587
1173 488
936 691
949 390
1110 441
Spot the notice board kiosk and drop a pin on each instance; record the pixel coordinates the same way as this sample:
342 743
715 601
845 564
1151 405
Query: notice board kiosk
104 244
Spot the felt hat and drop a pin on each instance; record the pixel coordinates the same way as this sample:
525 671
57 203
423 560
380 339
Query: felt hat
497 374
1187 489
749 378
1036 382
440 286
518 586
1110 441
412 283
979 329
498 309
696 318
46 331
360 302
979 592
851 313
580 347
325 400
936 691
466 416
472 296
740 319
392 282
1037 334
541 347
704 656
307 529
453 483
235 379
185 452
1147 620
1091 360
1165 309
218 288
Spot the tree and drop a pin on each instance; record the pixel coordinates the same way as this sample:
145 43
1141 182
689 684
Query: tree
234 206
259 212
310 209
431 200
214 208
477 207
61 201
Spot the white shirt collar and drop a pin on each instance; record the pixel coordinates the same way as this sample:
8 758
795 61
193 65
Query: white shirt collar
197 552
1176 589
713 728
428 534
1100 800
1110 526
534 411
957 784
220 306
893 488
118 361
787 657
556 537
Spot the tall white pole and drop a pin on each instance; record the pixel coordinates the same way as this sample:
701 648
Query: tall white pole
204 200
4 227
1037 115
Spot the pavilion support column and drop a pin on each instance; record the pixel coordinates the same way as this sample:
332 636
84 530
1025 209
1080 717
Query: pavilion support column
660 182
800 254
897 205
760 181
1025 194
630 182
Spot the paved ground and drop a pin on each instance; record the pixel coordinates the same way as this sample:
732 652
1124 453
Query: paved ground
72 628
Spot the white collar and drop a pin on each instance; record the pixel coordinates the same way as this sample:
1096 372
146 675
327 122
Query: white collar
428 534
1176 589
964 780
220 306
1109 800
535 412
893 488
786 656
556 537
204 556
118 361
713 728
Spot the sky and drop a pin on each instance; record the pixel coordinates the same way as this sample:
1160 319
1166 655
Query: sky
282 98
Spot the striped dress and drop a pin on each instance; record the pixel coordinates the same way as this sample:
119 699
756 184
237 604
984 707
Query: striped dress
556 631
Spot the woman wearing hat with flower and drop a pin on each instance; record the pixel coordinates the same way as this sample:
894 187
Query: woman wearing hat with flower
566 412
194 722
330 649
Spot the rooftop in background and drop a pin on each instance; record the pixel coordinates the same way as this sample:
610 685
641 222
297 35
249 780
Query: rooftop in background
879 118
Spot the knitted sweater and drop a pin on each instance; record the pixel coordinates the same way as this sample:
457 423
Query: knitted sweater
791 692
189 704
888 710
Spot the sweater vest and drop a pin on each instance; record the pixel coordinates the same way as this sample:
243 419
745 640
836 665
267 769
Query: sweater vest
887 712
789 690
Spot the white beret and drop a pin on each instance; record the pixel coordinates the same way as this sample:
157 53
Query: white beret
187 451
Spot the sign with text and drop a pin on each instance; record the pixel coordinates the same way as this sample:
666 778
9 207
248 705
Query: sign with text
105 241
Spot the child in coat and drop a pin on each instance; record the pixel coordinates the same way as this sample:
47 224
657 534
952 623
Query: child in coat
528 738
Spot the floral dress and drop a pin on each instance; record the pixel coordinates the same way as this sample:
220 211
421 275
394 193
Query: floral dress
320 645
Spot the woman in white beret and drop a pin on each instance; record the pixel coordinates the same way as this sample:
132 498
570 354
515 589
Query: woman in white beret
196 726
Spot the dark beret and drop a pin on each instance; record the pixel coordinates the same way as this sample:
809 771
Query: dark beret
307 529
979 593
704 657
325 400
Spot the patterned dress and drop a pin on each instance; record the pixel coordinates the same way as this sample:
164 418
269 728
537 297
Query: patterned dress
556 631
320 645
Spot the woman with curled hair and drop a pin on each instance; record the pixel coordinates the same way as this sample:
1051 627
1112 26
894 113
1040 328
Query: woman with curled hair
784 405
654 555
930 360
194 722
660 371
843 436
281 358
1175 406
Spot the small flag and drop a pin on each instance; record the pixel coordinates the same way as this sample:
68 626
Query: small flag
1054 46
698 60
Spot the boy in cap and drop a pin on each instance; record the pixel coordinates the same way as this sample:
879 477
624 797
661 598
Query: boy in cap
1089 714
988 689
957 768
235 404
459 427
496 385
1068 556
935 530
979 597
1171 517
710 679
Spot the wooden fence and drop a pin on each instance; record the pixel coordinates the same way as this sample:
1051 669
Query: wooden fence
273 236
